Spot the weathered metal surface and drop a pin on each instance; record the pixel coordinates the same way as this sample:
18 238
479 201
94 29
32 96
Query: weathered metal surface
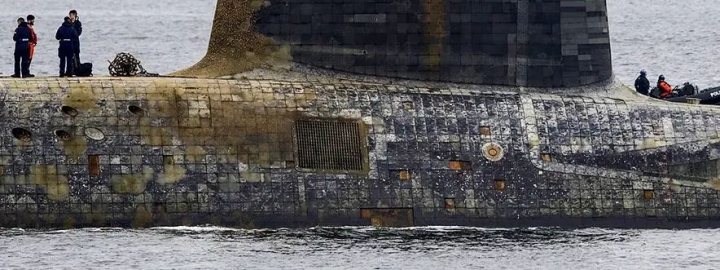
222 152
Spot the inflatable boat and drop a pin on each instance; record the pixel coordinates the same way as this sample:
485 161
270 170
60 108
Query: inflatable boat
707 96
689 93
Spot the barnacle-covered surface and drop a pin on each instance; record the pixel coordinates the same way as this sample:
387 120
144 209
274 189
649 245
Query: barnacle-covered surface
194 151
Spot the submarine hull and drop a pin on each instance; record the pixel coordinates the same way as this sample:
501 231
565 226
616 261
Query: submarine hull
330 151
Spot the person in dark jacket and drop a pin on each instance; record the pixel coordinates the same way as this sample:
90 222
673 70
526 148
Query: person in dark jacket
642 85
22 38
67 37
77 25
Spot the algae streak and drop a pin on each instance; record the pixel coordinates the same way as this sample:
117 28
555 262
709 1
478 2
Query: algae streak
132 184
235 46
435 31
47 178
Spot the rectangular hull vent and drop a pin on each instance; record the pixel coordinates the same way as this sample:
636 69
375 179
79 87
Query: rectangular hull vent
329 145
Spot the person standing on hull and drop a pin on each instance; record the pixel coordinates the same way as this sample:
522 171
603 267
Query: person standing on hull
22 38
33 39
665 88
642 85
67 37
77 25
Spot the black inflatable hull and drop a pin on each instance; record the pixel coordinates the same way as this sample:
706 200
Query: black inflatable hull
708 96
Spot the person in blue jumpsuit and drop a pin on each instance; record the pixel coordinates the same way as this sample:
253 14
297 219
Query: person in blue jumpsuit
22 38
67 37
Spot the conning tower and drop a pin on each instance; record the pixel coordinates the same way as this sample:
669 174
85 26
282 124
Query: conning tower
552 43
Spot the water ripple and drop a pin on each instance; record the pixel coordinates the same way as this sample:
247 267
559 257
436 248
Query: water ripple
359 248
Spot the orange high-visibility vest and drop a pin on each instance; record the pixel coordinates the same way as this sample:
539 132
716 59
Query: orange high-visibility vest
665 89
33 42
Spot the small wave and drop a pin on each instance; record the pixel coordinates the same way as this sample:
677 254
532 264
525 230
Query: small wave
12 231
201 229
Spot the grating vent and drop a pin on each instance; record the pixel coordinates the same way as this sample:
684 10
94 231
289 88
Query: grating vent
329 145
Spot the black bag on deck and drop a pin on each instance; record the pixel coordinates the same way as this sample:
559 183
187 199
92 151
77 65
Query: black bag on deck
84 70
687 89
655 92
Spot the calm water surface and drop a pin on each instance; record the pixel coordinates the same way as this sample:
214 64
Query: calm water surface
360 248
676 38
165 35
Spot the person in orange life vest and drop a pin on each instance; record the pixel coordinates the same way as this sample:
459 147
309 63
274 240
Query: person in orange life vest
33 38
665 88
